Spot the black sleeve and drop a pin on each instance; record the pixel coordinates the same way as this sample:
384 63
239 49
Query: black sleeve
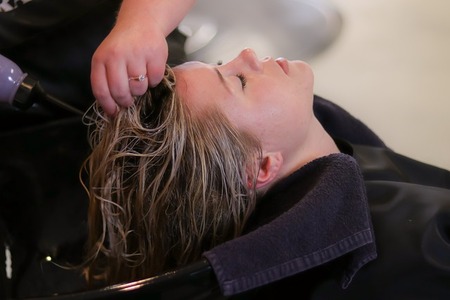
54 40
40 17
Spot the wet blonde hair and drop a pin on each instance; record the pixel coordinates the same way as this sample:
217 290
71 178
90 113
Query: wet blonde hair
165 184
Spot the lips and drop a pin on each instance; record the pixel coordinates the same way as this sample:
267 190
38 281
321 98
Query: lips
283 63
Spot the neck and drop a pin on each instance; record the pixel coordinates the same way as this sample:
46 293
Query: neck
317 144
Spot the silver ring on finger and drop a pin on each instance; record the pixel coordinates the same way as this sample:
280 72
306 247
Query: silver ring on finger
138 78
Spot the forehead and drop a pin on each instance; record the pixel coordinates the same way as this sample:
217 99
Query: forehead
198 84
192 72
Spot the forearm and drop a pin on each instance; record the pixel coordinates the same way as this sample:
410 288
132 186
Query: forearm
167 14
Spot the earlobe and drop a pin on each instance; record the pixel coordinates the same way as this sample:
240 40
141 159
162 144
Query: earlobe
269 168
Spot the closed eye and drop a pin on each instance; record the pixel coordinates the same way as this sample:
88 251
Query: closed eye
243 79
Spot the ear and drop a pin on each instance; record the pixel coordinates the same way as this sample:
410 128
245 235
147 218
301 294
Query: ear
269 168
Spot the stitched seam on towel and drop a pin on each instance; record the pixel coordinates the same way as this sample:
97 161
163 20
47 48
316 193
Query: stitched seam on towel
305 262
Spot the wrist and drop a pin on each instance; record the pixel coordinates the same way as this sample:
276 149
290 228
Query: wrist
165 14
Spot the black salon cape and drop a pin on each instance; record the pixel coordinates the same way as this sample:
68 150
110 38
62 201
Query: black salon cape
409 204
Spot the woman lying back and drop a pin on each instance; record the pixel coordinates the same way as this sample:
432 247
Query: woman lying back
181 171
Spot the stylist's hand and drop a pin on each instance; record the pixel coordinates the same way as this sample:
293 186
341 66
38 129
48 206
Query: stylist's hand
134 54
129 51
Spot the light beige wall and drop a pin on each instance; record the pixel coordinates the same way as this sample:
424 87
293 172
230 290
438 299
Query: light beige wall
391 68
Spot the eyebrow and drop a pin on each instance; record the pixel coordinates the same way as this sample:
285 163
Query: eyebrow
222 80
220 76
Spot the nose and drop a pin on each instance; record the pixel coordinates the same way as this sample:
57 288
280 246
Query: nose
249 58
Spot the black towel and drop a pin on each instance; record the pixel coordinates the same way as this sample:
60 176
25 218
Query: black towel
330 218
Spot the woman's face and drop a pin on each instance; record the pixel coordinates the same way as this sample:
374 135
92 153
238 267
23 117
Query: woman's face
271 99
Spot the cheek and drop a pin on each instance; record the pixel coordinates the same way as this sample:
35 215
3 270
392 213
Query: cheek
265 120
277 104
285 114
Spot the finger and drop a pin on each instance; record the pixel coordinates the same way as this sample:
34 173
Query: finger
100 89
156 74
138 81
156 67
117 75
